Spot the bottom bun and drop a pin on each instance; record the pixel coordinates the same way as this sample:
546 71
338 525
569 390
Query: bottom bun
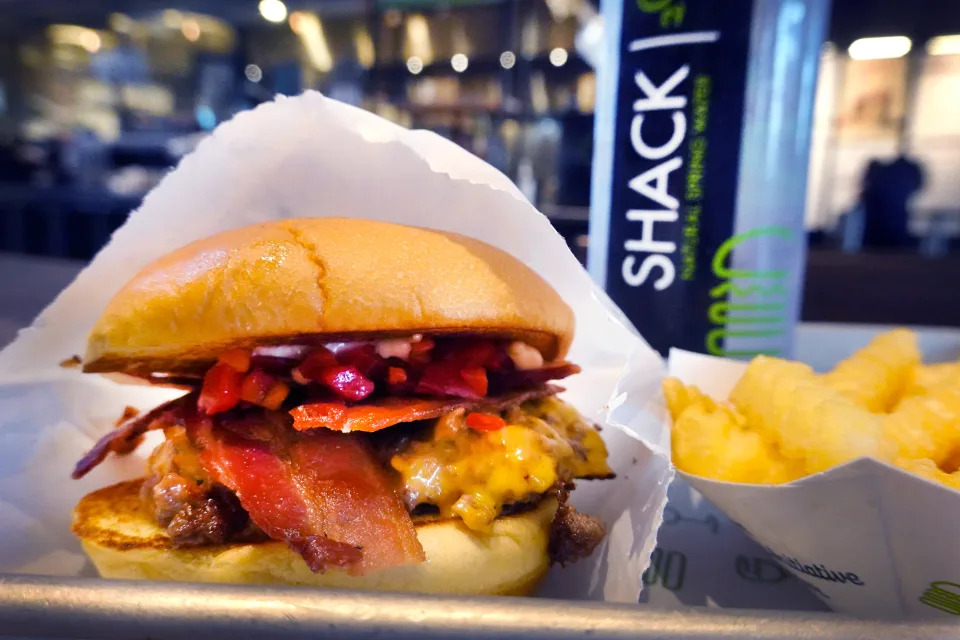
123 541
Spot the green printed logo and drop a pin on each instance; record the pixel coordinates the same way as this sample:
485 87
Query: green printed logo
944 596
671 12
749 304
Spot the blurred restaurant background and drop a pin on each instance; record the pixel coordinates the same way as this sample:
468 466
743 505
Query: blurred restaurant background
99 99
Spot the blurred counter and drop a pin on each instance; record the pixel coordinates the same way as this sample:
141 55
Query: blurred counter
75 222
840 288
60 220
882 288
27 285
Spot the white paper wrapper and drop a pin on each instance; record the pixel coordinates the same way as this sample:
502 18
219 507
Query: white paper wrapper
871 539
302 157
703 559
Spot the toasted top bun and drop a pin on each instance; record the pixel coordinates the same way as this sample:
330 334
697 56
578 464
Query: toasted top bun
317 280
122 540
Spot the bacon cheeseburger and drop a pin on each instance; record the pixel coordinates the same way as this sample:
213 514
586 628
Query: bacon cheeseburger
370 407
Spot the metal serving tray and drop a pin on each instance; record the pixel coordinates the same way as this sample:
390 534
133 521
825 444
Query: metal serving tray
44 607
687 569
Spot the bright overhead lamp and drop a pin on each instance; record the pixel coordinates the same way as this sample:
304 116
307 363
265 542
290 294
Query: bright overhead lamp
90 40
414 65
459 62
309 29
944 45
880 48
558 57
273 10
253 73
190 29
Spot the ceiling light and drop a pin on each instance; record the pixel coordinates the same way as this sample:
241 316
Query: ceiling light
90 40
459 62
172 19
75 35
121 23
253 72
508 59
880 48
414 65
273 10
363 44
558 57
297 19
190 29
310 31
417 42
944 45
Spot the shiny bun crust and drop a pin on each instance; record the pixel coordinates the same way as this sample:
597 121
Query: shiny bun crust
316 279
122 540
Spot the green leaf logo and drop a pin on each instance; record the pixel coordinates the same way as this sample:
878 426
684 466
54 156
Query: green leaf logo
671 12
944 596
653 6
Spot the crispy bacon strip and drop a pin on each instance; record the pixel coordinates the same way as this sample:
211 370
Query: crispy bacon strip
126 437
386 412
324 493
501 381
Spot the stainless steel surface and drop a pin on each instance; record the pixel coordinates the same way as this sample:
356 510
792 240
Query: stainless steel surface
38 607
56 607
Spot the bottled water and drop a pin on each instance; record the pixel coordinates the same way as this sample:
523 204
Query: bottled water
702 135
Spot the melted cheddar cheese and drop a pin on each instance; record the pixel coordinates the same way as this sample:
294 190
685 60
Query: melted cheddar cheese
472 474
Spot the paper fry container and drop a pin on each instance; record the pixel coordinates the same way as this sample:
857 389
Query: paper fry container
314 157
871 539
